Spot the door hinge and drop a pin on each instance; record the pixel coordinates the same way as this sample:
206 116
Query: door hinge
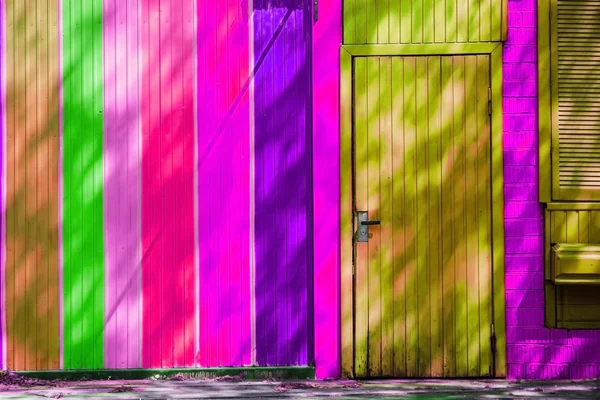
493 339
489 101
493 350
316 10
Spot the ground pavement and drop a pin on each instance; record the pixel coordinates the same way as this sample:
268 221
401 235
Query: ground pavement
233 387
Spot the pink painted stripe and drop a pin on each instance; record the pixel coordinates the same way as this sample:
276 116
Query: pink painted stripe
122 184
224 183
168 277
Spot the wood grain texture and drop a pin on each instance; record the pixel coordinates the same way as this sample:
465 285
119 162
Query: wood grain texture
283 184
422 165
424 21
83 235
32 110
122 22
167 110
575 305
224 84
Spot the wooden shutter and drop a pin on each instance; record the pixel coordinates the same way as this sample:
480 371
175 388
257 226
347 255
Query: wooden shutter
575 53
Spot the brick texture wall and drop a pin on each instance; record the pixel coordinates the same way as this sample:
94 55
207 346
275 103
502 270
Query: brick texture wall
533 352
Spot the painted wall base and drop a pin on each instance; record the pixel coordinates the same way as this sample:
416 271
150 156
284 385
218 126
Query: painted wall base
197 373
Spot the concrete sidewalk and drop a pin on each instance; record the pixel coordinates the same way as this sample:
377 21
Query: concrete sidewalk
396 389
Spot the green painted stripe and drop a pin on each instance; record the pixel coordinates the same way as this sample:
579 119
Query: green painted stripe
196 373
83 244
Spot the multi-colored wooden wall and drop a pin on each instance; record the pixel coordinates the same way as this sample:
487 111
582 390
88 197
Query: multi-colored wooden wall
156 178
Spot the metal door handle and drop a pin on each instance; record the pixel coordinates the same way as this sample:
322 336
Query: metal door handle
362 234
372 222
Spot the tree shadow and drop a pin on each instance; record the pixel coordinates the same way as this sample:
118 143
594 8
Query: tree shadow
31 186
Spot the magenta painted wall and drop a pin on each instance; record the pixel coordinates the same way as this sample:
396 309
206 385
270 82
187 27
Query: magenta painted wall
225 330
533 352
327 37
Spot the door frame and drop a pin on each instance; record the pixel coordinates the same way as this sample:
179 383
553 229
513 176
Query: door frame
347 54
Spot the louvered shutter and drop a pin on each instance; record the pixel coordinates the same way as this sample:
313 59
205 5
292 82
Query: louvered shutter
575 56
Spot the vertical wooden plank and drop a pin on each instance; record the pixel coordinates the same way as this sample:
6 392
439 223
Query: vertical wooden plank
383 21
372 20
417 26
31 263
110 25
594 227
361 17
439 27
462 24
572 226
434 166
421 149
347 289
471 217
474 7
51 230
395 20
398 227
151 210
448 262
459 189
386 215
348 21
559 227
373 207
485 20
583 227
429 20
410 207
406 21
32 127
40 168
483 167
361 333
496 14
451 21
279 221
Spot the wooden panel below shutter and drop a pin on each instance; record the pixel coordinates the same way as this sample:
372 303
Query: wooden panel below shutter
576 145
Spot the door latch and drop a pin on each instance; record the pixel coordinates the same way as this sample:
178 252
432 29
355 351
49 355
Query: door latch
362 234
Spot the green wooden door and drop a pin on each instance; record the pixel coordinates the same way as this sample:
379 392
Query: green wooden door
423 280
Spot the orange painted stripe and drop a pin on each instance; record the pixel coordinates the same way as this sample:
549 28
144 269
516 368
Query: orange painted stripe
32 109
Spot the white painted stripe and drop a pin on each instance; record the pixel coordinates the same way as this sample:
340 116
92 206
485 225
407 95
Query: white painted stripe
196 200
3 214
251 210
61 318
140 187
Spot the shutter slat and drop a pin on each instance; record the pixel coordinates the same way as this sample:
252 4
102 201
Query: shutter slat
578 80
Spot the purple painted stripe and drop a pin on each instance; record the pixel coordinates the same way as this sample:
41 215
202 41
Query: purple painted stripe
224 184
283 182
122 177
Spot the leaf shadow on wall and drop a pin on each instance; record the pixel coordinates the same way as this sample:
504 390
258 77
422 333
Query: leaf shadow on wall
32 188
283 168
